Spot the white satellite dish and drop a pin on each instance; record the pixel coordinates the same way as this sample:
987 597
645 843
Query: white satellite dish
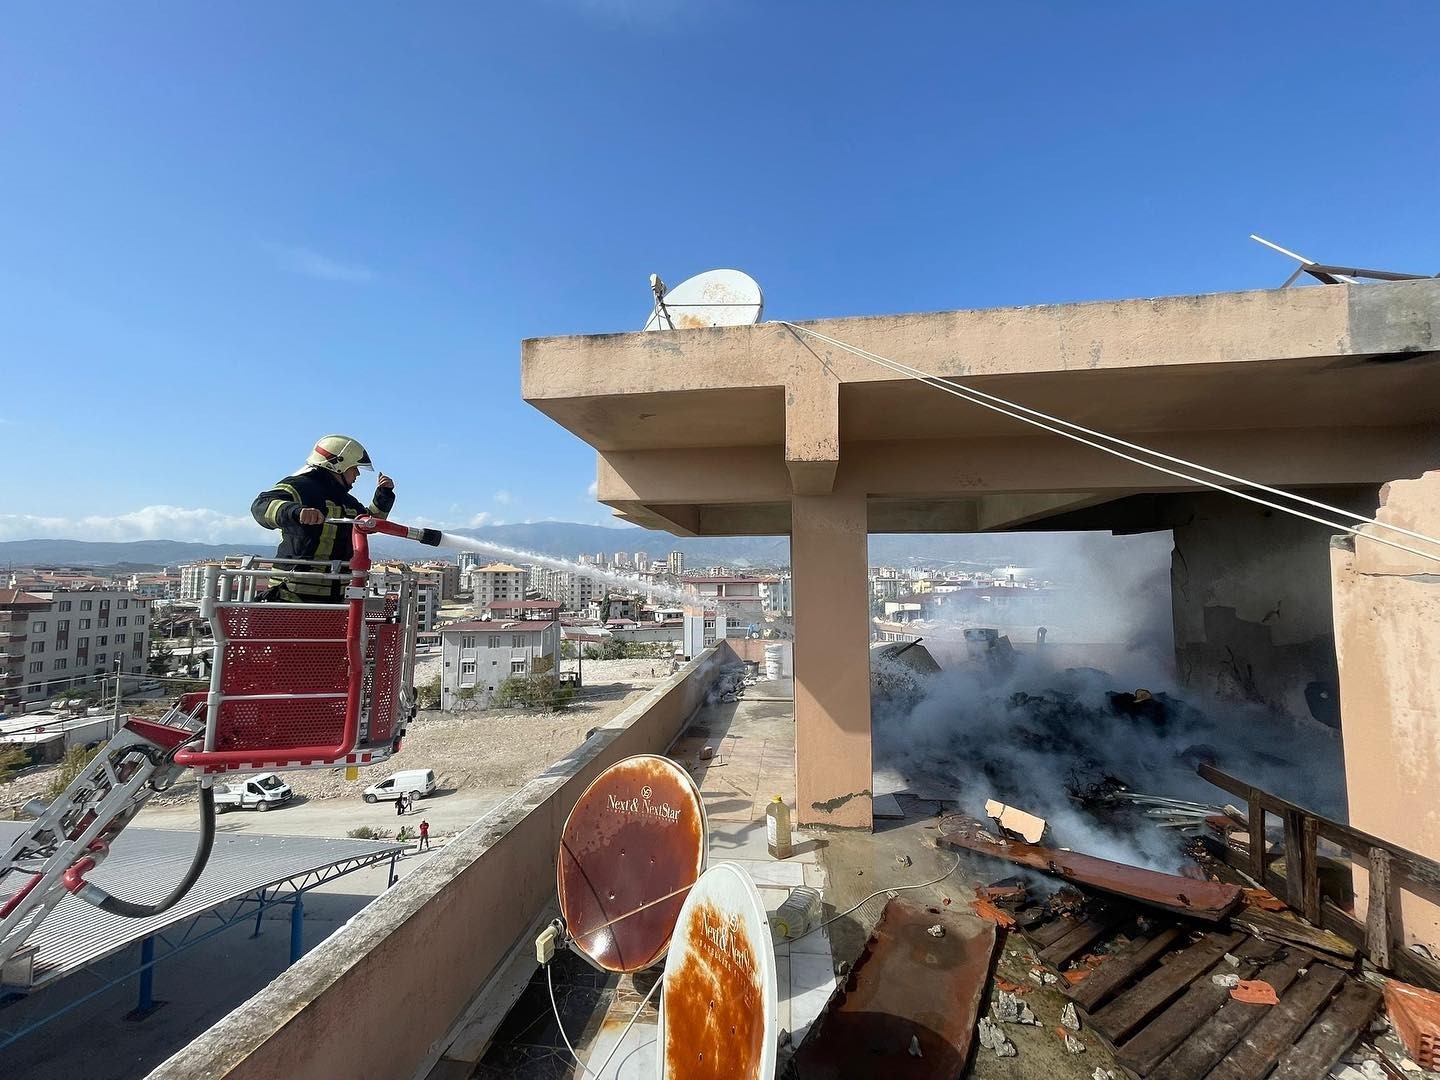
719 1005
714 298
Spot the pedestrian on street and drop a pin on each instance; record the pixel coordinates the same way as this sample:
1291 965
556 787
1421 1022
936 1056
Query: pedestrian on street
400 805
424 836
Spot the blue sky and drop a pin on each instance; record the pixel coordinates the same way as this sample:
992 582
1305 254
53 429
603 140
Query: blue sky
228 228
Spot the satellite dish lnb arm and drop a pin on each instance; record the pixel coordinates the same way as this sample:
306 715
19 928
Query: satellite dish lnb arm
658 288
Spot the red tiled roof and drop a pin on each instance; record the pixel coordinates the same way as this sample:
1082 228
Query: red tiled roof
19 597
528 626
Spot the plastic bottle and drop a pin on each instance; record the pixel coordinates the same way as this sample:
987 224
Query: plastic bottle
777 829
800 912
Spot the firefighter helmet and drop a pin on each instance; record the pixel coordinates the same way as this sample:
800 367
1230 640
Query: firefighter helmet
339 454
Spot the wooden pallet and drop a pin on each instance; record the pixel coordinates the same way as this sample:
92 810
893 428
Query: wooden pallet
1153 1002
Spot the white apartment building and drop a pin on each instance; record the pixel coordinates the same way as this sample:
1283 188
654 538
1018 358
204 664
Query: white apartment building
81 635
738 597
165 586
466 559
482 654
497 581
701 630
676 563
575 592
777 596
192 580
642 561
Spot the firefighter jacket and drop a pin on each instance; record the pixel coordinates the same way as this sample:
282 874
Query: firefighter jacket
279 508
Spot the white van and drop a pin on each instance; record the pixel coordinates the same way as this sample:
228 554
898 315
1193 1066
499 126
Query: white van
412 782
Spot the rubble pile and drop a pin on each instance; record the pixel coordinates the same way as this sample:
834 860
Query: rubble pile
731 682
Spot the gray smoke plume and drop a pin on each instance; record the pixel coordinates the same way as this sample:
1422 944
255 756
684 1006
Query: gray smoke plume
1040 725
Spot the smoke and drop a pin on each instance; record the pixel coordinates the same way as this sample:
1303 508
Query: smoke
624 581
1037 726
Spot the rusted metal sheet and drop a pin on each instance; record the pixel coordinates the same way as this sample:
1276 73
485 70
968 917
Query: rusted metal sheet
1208 900
907 985
631 848
719 1006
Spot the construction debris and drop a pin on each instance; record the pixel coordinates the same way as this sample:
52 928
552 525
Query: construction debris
1009 1009
1074 1045
1014 822
1416 1016
915 1050
1254 992
1070 1017
936 931
1207 900
993 1038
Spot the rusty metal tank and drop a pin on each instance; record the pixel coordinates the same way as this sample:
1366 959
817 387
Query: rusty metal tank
631 849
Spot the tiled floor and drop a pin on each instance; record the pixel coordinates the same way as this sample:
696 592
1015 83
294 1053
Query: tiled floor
754 760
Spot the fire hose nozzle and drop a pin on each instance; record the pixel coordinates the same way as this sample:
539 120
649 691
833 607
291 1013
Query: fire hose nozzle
368 524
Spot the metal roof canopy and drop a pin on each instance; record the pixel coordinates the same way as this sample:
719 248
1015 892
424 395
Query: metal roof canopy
145 864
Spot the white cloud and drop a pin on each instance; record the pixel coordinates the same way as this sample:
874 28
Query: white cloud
482 518
147 523
310 263
593 491
502 497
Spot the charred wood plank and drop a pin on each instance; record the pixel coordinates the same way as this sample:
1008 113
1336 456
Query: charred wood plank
1276 925
1277 1031
1066 948
1151 994
1207 900
1148 1047
1120 970
1406 864
1256 816
1330 1036
1050 932
1310 870
1379 932
1202 1050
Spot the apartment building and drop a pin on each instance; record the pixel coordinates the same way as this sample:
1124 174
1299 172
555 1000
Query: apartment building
16 608
575 592
676 563
739 597
192 580
164 586
497 581
483 653
445 574
776 595
77 635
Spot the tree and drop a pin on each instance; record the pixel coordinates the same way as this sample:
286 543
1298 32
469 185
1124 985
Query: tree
73 764
12 758
427 695
162 656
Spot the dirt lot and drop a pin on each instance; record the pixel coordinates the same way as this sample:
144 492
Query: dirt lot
482 751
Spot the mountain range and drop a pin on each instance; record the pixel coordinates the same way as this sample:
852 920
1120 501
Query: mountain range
567 539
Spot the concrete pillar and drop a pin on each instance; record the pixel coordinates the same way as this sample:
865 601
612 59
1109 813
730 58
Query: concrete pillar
828 556
1387 635
1250 590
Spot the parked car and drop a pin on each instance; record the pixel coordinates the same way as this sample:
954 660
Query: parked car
257 793
412 782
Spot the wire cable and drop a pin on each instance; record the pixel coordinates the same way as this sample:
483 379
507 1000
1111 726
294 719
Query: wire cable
1015 412
919 374
550 985
878 892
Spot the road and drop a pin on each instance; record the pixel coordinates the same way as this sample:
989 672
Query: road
447 814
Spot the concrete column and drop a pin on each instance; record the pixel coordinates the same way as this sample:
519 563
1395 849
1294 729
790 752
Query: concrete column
828 556
1387 635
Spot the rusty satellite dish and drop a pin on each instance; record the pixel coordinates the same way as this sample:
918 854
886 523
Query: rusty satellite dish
714 298
719 1005
631 848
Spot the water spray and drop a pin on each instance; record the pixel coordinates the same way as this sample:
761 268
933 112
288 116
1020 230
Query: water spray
436 538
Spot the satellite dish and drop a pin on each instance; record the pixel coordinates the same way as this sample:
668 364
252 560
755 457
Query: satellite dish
714 298
719 1005
631 848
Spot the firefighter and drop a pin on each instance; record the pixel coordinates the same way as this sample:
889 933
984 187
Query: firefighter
300 504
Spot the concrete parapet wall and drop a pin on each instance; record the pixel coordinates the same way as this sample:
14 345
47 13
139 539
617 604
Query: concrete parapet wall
377 998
